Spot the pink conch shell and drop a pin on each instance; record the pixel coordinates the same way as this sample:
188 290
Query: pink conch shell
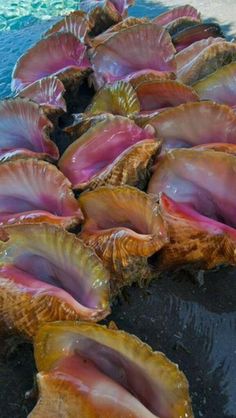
33 189
58 54
125 228
131 50
80 373
94 151
23 125
48 274
196 123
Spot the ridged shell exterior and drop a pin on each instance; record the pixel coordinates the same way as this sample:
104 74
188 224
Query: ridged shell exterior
124 230
191 244
118 98
132 167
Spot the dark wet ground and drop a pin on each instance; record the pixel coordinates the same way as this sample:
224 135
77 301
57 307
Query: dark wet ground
193 321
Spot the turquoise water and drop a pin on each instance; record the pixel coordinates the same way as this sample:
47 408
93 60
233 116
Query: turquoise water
22 23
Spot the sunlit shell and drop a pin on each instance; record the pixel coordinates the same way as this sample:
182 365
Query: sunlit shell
219 86
153 95
173 14
186 56
35 190
58 54
131 50
118 98
194 238
47 91
48 274
72 356
195 33
209 60
91 154
193 124
23 125
124 24
124 227
76 23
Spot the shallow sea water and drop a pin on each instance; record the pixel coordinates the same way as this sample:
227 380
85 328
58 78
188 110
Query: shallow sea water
192 319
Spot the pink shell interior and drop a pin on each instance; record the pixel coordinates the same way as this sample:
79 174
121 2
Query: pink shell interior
192 177
131 50
50 56
99 147
24 125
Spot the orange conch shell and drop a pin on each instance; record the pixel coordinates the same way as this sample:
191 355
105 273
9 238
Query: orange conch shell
124 227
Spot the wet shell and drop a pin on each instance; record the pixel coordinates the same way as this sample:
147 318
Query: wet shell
48 274
23 125
124 227
70 353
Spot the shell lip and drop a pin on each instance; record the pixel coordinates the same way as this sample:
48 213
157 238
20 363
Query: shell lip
15 238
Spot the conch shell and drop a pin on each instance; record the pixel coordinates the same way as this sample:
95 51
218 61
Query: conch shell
47 274
125 228
88 370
